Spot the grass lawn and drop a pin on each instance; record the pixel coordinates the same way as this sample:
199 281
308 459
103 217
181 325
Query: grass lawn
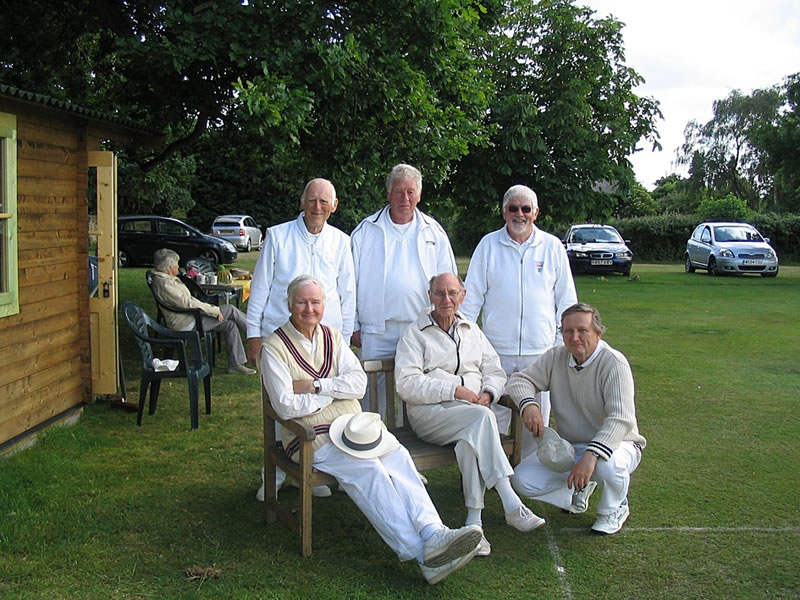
109 510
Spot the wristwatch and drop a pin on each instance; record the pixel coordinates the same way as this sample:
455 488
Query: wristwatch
317 386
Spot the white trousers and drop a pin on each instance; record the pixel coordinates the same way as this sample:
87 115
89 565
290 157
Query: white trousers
473 429
533 480
512 364
389 493
381 345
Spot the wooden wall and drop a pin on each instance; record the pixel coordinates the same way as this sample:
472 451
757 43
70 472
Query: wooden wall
44 350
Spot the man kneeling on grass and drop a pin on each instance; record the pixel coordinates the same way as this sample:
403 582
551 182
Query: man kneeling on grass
313 377
591 395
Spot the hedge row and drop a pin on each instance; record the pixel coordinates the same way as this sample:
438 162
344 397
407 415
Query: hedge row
663 237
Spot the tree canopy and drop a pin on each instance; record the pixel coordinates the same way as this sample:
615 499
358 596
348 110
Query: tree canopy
256 97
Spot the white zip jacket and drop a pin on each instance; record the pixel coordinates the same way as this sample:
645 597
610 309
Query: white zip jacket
522 291
369 257
430 364
287 253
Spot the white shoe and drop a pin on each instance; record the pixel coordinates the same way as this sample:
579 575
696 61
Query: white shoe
446 545
436 574
610 524
524 519
580 500
318 491
484 548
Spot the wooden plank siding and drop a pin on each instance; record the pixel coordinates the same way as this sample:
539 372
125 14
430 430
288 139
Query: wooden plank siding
44 350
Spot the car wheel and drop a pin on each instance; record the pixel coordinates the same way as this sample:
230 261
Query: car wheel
210 255
627 272
771 273
248 246
712 266
123 258
687 265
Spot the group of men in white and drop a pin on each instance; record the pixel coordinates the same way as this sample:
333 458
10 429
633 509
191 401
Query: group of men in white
392 289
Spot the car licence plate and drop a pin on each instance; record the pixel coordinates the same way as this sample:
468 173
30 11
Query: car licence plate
750 261
226 232
605 261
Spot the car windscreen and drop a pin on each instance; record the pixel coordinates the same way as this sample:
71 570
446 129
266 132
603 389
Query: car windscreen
736 234
596 235
219 224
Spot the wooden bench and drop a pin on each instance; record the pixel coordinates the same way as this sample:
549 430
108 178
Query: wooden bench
426 456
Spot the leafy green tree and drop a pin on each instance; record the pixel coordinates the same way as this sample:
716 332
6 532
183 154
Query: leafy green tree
724 152
729 208
565 117
637 203
673 194
781 143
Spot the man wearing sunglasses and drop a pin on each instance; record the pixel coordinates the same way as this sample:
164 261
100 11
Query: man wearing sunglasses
519 276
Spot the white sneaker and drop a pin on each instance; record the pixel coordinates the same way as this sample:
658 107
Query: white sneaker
436 574
446 545
580 500
318 491
524 519
610 524
484 548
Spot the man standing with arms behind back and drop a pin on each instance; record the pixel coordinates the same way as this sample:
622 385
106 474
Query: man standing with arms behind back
307 245
395 252
520 277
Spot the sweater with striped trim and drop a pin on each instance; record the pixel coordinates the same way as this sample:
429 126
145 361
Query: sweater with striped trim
286 344
593 406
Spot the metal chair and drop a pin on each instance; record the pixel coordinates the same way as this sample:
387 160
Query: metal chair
192 365
208 336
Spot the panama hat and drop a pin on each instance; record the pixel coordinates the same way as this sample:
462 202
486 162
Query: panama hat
362 435
554 452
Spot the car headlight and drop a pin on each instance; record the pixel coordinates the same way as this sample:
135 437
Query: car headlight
770 253
577 254
623 254
725 253
228 246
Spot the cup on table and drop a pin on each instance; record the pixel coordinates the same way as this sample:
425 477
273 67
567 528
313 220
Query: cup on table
201 278
211 279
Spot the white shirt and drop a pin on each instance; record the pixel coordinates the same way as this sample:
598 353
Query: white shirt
350 383
290 250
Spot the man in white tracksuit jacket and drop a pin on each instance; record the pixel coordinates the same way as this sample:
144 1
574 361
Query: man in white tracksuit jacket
520 277
305 246
395 253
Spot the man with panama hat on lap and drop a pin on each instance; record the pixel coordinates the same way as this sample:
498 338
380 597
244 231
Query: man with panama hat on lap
313 377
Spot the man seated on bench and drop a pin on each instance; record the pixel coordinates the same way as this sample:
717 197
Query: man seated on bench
448 374
313 377
226 319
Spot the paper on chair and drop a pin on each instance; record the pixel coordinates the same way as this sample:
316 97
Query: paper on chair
167 364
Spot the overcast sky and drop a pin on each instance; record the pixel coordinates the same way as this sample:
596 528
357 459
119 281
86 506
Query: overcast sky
692 52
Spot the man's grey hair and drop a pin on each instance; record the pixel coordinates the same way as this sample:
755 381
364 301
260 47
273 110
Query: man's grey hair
582 307
299 282
520 191
433 279
403 171
164 258
317 180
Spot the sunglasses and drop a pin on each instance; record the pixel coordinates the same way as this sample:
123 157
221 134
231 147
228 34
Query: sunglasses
513 208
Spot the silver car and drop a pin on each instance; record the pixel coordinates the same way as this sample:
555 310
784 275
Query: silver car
241 230
730 248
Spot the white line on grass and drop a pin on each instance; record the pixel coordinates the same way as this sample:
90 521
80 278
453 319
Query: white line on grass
696 529
566 591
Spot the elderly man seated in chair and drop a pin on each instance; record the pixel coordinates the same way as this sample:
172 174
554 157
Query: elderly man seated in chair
313 377
448 374
226 319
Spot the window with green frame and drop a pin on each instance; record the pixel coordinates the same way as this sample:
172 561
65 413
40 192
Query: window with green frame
9 290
